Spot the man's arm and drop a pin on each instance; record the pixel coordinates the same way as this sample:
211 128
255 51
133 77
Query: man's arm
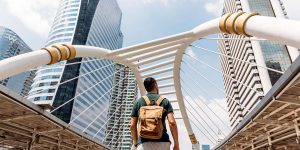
133 128
174 130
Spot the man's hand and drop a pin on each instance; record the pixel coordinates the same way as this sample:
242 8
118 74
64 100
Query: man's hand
174 130
176 147
133 147
133 128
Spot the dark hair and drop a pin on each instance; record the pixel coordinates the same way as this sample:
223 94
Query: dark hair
149 84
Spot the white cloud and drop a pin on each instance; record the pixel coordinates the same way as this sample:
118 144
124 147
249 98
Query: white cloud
164 2
191 62
209 121
214 105
214 7
184 140
36 15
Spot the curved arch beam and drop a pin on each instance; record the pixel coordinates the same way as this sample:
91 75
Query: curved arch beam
200 31
282 31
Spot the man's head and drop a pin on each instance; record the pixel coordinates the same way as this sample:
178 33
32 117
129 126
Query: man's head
151 85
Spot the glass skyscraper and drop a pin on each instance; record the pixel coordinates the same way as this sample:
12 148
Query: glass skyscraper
241 99
275 55
62 31
82 22
12 45
124 94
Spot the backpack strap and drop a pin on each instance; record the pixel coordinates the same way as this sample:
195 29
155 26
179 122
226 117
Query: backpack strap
148 102
160 99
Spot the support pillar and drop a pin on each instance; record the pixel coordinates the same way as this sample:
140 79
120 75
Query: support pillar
59 141
32 142
269 140
297 129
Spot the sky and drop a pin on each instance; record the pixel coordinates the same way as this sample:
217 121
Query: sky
144 20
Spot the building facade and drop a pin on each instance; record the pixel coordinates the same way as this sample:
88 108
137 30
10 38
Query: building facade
245 85
124 94
89 81
12 45
45 83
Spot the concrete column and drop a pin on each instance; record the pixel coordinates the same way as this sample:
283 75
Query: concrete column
263 73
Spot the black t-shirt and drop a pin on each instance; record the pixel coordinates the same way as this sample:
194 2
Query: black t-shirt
165 104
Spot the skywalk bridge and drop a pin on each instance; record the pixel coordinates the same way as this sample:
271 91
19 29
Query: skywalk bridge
27 126
272 124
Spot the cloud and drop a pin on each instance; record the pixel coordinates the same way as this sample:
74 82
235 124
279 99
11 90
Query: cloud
191 62
36 15
214 7
214 105
155 1
211 6
184 141
219 127
164 2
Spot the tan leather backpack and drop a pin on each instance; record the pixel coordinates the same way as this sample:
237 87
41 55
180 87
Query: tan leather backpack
150 124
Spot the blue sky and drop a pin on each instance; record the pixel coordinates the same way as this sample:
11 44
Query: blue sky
150 19
143 20
146 20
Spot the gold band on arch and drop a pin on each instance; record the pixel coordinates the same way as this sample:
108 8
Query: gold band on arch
60 52
53 54
230 22
241 22
193 139
234 23
72 51
222 23
63 52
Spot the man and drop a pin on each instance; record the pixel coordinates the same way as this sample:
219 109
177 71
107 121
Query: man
154 144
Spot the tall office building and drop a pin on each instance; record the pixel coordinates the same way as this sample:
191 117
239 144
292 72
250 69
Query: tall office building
12 45
241 99
81 22
118 134
62 31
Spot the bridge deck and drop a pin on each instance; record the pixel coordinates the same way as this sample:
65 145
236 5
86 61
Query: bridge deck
27 126
274 121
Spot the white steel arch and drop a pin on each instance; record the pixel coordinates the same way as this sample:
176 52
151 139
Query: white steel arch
166 52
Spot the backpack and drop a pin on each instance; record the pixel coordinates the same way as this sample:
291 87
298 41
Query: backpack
150 124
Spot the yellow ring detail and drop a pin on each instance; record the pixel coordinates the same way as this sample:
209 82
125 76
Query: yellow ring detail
193 139
63 52
241 23
72 51
222 23
230 23
53 54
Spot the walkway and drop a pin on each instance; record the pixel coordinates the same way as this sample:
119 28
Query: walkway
274 122
27 126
